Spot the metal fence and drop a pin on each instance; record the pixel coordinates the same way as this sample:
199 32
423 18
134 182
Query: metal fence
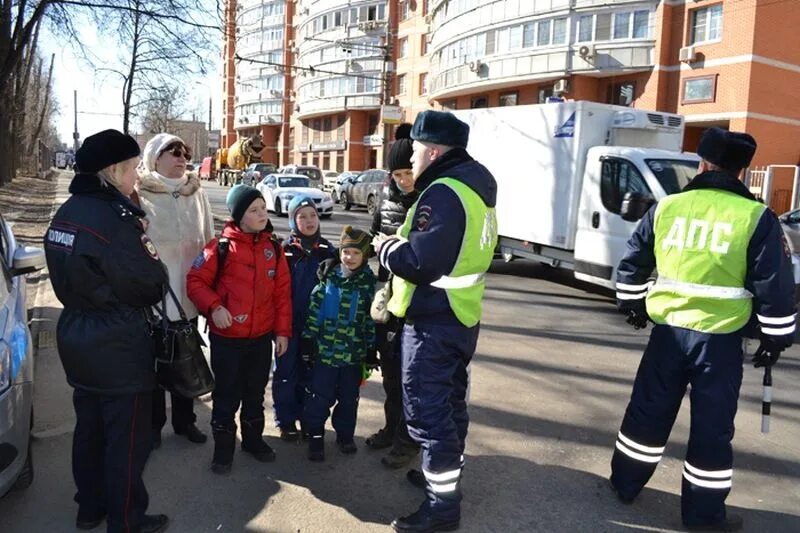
762 183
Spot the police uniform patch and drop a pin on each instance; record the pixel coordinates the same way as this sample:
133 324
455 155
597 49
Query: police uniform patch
149 247
61 239
269 254
423 217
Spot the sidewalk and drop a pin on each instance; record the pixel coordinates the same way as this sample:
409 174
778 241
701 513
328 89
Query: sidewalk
54 413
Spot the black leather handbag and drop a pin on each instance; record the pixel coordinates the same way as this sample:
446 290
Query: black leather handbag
181 366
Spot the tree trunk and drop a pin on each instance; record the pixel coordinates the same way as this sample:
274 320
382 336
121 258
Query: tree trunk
7 168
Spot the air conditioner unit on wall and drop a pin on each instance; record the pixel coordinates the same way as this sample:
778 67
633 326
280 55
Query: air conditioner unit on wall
687 54
561 86
475 66
586 51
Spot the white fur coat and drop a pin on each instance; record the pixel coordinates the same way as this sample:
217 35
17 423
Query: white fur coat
180 223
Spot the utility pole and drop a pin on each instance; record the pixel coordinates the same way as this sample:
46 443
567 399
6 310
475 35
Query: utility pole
386 90
75 143
209 111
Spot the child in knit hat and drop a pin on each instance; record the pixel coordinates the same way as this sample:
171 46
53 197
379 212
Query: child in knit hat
338 335
244 289
305 249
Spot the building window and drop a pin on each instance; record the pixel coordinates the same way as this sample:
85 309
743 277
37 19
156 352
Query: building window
622 23
402 47
405 9
491 42
507 99
450 104
543 33
528 34
423 83
401 84
545 92
641 24
560 31
602 31
622 93
423 45
699 89
707 24
585 26
340 162
479 102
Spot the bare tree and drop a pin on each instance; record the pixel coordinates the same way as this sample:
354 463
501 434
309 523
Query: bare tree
162 108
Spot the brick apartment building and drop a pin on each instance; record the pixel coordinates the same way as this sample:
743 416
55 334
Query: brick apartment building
733 64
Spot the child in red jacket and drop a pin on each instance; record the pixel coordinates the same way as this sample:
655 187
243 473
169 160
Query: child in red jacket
249 304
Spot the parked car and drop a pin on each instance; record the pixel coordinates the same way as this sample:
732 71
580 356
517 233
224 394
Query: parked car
329 180
255 172
208 168
313 173
16 362
790 222
279 189
364 190
341 180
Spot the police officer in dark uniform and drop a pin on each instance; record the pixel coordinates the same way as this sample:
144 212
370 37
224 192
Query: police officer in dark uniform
439 258
107 274
722 266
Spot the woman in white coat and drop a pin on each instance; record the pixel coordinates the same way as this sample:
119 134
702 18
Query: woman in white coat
180 223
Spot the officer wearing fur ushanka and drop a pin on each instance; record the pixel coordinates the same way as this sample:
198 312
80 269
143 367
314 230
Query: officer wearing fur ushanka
722 264
439 258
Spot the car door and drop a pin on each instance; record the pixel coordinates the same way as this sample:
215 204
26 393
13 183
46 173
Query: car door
603 234
357 187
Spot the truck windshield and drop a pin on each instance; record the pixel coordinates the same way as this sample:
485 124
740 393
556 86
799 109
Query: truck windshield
673 174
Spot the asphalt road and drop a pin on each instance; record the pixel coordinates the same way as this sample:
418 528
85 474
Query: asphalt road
550 381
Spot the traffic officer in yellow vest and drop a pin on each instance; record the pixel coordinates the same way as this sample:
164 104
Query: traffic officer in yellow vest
439 258
722 264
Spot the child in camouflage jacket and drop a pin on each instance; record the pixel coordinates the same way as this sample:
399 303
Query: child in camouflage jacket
338 336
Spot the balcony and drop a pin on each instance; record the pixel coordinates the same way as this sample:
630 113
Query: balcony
248 121
310 108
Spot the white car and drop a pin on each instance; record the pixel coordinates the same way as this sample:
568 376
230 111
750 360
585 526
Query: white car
279 189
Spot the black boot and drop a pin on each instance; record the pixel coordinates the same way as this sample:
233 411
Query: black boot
224 445
316 445
253 441
423 521
193 433
153 523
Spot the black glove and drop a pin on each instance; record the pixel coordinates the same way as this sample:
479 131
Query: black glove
308 351
326 267
371 360
637 318
768 352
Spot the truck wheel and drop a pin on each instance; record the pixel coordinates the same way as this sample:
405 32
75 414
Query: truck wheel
371 205
346 202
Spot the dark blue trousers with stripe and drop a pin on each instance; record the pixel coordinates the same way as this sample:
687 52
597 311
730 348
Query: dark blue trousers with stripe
110 447
712 365
435 380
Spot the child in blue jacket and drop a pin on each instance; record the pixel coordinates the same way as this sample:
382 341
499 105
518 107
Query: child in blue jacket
305 249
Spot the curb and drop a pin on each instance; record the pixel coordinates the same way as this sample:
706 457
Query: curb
36 322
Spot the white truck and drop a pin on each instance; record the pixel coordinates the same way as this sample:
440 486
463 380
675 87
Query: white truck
61 159
573 178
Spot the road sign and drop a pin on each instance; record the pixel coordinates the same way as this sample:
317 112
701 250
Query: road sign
391 114
213 140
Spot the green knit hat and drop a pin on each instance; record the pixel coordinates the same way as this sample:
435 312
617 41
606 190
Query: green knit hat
355 238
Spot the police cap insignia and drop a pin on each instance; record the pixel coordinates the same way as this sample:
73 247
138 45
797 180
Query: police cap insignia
149 247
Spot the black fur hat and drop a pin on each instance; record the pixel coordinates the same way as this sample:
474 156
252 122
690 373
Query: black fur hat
104 149
729 150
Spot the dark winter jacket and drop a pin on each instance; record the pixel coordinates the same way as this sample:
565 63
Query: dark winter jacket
107 273
254 286
392 210
339 317
303 265
434 242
